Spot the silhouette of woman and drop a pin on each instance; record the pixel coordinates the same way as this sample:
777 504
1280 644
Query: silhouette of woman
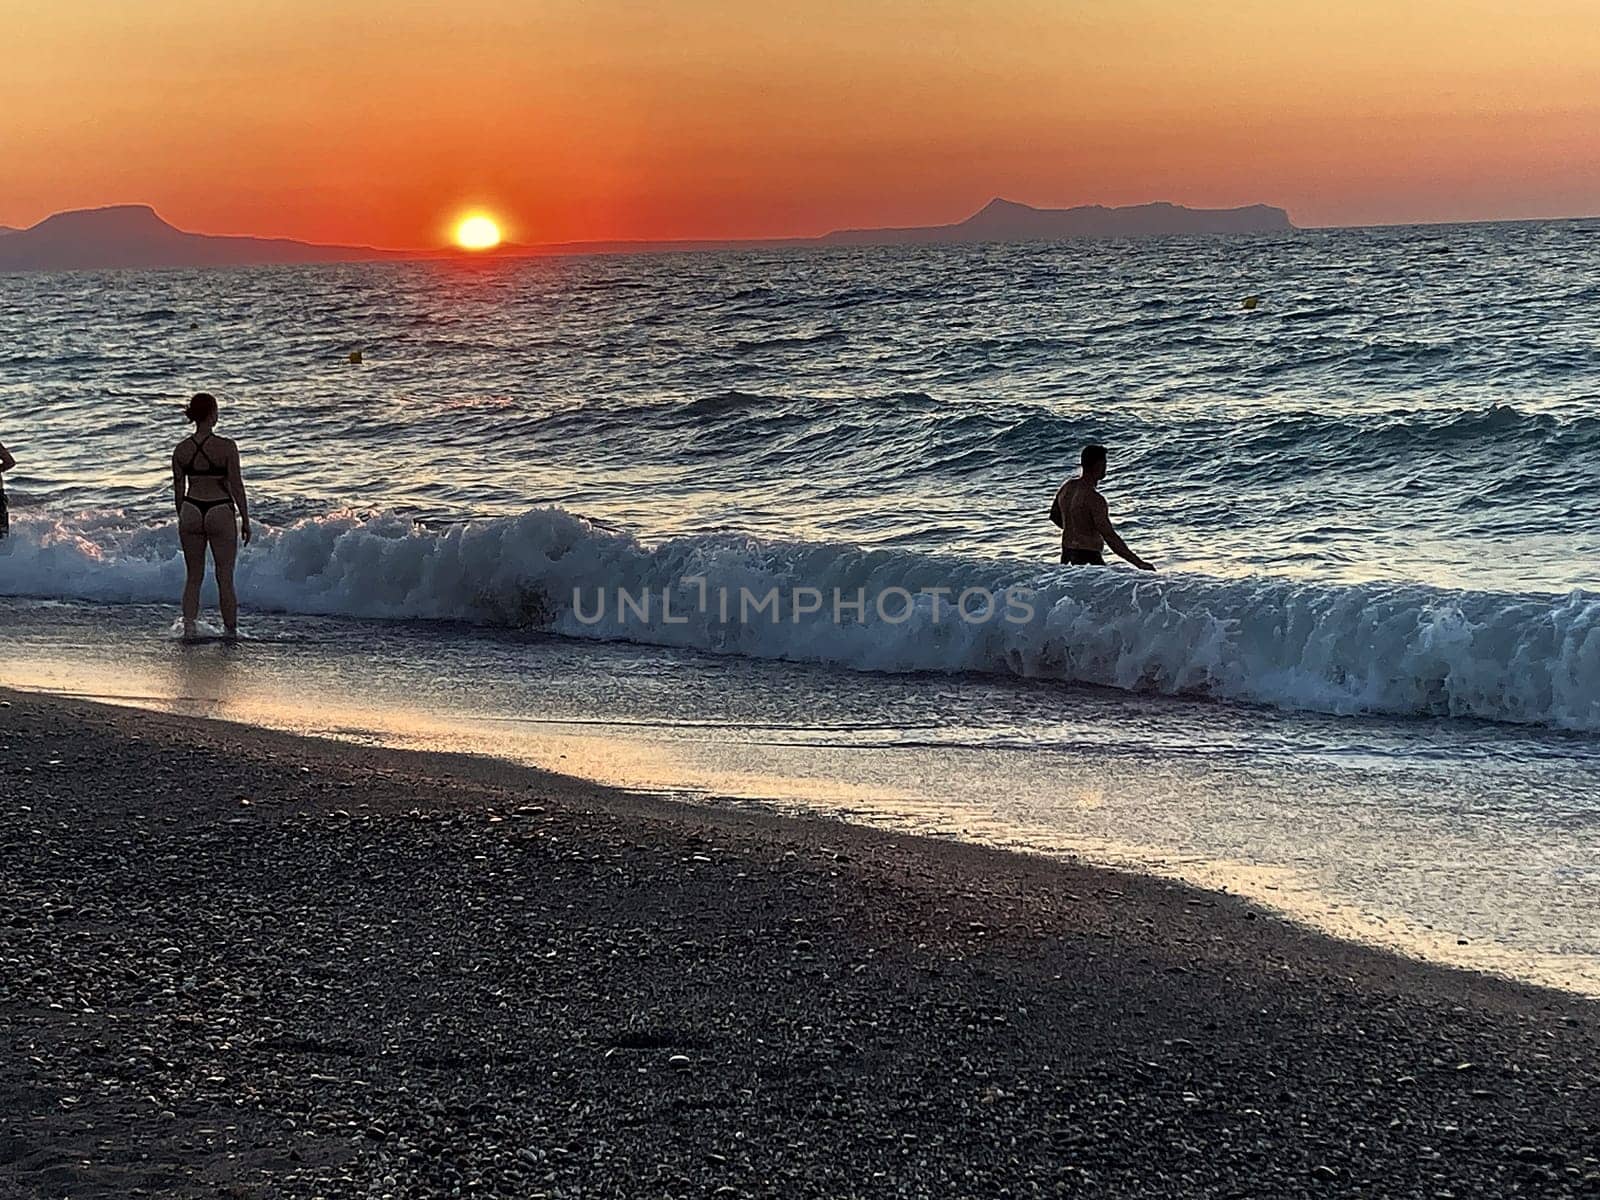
209 493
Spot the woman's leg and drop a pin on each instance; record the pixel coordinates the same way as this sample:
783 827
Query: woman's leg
192 537
222 532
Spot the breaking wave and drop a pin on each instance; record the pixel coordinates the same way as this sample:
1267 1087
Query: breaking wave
1398 649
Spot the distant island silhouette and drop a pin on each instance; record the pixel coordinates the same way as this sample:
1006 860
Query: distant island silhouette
134 235
1008 221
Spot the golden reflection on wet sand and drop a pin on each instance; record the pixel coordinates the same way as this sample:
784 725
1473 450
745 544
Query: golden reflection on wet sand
865 785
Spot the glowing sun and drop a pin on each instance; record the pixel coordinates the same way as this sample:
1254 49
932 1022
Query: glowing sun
477 232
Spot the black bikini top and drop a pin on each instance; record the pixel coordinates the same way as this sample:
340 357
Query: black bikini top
211 471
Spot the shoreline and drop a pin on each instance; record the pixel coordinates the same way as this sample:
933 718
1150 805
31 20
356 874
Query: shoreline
288 966
1277 884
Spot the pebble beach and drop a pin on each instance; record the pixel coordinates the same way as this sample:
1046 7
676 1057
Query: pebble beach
244 964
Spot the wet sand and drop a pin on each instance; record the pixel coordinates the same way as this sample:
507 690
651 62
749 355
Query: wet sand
246 964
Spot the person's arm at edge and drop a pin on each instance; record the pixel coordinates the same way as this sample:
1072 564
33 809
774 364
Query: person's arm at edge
236 490
6 461
1055 509
1102 516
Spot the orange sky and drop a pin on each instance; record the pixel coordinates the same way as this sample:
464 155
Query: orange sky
376 121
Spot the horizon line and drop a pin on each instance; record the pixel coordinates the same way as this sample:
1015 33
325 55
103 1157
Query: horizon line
575 248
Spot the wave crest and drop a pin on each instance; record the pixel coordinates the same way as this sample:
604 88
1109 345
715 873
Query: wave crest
1400 649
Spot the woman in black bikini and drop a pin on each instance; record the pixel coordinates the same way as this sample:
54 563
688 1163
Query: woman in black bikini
209 493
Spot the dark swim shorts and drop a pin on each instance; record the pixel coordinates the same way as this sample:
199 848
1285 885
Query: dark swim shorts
1083 558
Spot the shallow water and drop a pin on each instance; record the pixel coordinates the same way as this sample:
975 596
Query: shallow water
1365 686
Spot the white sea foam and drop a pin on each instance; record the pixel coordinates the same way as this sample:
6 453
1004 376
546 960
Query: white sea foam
1385 648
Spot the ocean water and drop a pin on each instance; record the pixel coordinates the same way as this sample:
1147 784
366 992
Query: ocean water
1374 640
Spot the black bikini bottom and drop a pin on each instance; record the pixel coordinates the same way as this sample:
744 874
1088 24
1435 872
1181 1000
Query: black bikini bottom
205 506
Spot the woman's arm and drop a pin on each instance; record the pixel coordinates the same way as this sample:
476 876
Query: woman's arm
6 461
236 490
177 482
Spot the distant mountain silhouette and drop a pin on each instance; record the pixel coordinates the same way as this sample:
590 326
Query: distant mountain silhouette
1008 221
132 235
997 221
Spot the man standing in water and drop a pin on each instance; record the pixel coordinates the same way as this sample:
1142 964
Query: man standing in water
1085 524
6 463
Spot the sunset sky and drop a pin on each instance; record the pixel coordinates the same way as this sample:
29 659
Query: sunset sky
378 121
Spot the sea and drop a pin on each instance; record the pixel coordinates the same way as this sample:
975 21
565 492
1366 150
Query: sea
769 528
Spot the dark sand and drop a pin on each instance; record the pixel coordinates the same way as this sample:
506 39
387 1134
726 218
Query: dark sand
243 964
